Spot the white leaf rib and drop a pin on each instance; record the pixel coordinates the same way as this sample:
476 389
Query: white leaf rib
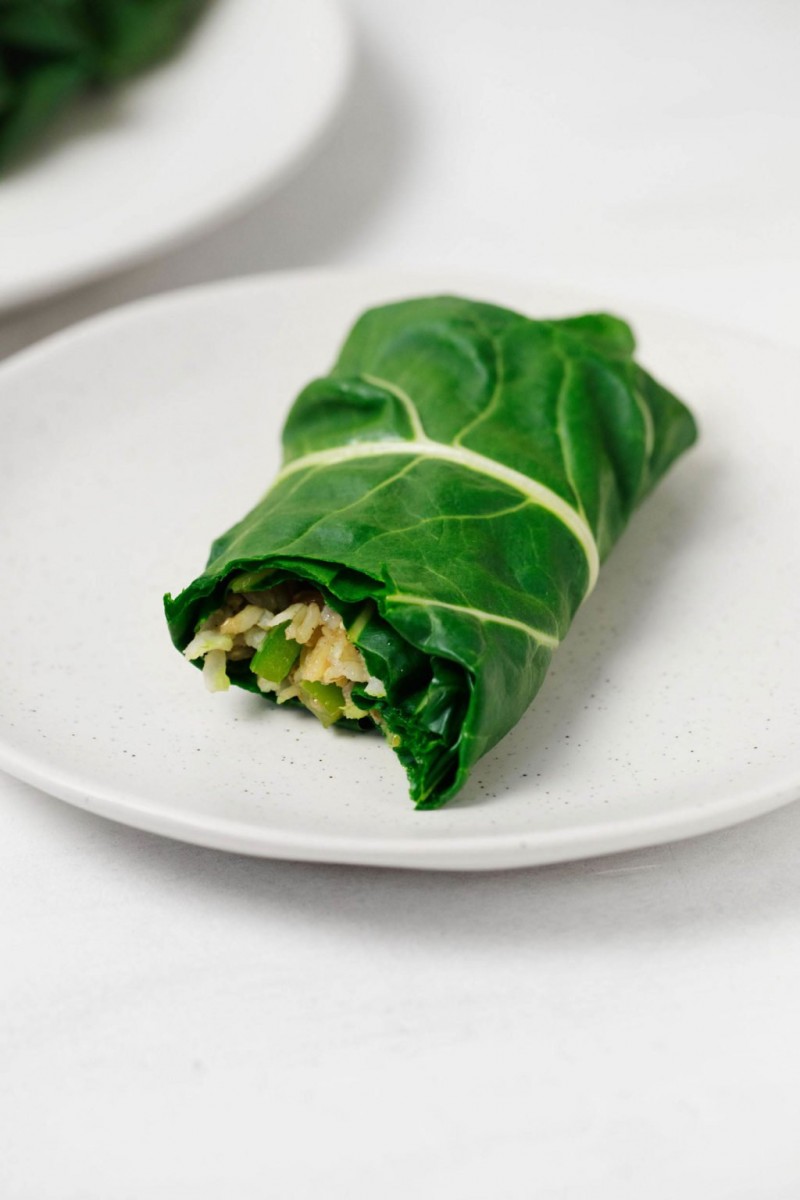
542 496
412 412
537 635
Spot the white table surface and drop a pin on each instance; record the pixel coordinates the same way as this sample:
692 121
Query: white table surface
178 1023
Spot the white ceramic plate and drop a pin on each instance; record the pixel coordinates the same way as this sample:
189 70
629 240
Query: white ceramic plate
177 149
130 441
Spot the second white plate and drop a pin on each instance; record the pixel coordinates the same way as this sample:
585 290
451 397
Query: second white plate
177 149
129 442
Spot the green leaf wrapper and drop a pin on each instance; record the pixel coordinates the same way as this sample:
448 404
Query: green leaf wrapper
464 469
52 50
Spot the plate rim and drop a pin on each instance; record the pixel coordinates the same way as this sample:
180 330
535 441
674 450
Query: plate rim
484 852
19 296
450 853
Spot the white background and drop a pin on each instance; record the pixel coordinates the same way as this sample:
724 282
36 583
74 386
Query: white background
178 1023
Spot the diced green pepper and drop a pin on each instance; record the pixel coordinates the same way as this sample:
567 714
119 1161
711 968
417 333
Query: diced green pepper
324 700
276 655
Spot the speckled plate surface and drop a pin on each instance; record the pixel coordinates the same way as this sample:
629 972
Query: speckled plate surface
129 442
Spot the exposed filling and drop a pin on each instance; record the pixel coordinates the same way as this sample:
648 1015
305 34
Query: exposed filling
296 645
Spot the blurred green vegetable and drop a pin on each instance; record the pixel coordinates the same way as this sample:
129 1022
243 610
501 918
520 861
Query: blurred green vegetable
53 50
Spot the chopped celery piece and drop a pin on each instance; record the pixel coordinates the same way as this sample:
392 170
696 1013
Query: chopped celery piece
325 700
251 581
360 621
276 655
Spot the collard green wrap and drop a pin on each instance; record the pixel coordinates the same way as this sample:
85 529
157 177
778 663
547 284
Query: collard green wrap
465 469
52 50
